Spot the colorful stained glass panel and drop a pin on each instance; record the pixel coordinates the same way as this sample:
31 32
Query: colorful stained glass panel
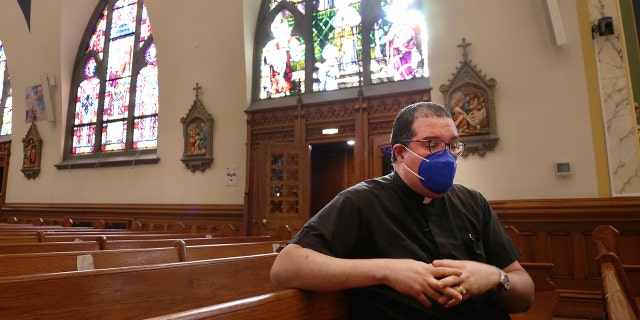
116 99
145 26
7 116
114 135
124 21
83 139
145 133
96 43
338 45
398 44
6 98
87 101
120 58
122 3
283 64
147 86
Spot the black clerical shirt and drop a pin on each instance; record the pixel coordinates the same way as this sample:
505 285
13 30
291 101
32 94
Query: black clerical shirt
384 218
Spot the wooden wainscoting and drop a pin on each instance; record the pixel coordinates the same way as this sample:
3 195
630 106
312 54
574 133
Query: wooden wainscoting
559 231
227 219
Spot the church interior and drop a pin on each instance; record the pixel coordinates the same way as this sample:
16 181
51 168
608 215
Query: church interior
234 122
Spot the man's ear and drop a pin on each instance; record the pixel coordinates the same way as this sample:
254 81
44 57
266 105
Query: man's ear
398 151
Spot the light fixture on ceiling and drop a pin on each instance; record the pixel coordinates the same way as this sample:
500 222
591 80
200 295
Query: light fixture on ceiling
330 131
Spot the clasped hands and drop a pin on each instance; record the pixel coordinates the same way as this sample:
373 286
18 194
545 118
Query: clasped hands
447 282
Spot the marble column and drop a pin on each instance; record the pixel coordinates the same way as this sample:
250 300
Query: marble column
621 132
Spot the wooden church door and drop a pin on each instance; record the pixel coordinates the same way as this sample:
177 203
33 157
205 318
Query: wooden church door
283 188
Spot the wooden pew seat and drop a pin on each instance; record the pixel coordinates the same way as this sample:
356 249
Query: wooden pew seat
290 304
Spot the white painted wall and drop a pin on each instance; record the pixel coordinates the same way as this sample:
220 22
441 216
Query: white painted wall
541 99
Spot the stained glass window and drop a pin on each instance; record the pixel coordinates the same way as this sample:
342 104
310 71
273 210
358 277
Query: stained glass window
116 105
346 43
6 100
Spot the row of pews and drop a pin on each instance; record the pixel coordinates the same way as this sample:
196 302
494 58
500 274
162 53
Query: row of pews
621 301
89 273
93 273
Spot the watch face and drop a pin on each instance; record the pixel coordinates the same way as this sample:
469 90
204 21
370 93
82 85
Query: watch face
504 281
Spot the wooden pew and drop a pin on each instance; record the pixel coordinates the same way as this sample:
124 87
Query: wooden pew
87 235
157 243
291 304
111 243
545 296
52 262
137 292
619 301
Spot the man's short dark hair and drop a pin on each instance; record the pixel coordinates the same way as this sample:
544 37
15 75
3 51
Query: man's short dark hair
403 124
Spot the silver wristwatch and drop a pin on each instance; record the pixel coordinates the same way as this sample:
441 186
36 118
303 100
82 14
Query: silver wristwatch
504 284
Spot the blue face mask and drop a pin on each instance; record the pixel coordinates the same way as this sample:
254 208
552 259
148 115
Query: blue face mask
436 172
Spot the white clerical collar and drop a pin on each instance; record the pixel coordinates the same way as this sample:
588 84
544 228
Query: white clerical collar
426 200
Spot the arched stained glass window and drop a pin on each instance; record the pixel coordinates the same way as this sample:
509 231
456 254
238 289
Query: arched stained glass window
6 101
308 46
113 118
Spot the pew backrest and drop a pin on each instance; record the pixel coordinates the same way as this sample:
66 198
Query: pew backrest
19 239
128 236
52 262
8 248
